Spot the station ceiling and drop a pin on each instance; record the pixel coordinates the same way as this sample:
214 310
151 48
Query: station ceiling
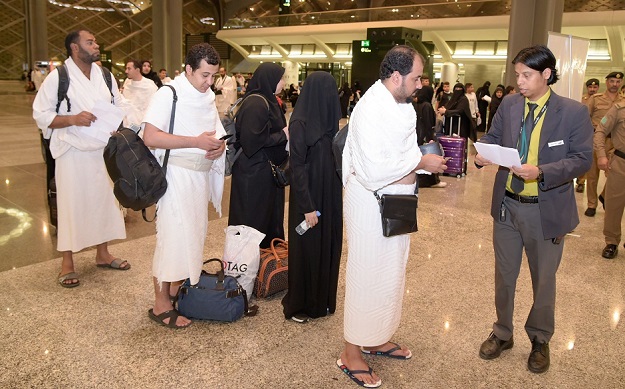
125 26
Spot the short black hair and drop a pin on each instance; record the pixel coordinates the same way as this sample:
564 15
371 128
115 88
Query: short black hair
162 69
401 59
73 37
135 63
467 85
539 58
199 52
425 77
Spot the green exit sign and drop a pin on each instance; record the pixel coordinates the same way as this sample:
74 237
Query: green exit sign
364 43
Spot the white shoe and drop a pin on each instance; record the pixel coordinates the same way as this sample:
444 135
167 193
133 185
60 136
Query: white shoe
441 184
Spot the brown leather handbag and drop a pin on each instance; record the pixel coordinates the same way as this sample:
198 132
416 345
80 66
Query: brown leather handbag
273 274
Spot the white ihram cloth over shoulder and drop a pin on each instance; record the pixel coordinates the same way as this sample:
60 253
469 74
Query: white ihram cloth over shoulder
139 94
182 219
381 148
88 213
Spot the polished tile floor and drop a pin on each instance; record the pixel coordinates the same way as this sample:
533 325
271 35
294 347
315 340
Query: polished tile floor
99 336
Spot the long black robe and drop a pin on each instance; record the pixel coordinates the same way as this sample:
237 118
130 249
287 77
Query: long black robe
346 94
314 257
255 200
482 105
426 118
461 109
492 108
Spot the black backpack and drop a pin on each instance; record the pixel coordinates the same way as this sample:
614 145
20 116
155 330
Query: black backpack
338 144
229 123
138 179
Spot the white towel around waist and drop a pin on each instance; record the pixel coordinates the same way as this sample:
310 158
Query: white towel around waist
191 161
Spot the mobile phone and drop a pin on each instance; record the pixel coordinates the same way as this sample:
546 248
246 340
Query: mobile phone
225 137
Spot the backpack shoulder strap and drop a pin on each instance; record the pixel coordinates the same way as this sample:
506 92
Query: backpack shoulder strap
262 97
63 87
108 78
171 122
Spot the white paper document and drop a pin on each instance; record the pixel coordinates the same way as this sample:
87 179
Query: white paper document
502 156
108 119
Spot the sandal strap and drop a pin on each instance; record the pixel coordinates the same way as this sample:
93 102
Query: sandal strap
172 315
362 371
68 276
117 263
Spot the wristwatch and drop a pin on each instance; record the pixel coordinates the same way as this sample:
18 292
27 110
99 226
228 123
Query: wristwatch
541 176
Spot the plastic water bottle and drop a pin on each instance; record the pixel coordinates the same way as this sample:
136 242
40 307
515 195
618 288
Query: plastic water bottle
303 226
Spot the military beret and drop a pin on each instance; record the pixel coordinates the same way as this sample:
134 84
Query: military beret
592 81
618 75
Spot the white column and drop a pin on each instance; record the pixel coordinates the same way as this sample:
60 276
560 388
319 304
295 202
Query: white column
449 72
291 73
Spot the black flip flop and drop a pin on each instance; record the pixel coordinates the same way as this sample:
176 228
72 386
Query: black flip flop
388 353
351 375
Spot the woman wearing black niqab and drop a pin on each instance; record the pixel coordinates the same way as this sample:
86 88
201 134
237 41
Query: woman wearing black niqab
458 108
255 200
314 257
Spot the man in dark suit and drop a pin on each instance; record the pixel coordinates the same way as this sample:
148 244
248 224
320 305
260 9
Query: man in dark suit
534 204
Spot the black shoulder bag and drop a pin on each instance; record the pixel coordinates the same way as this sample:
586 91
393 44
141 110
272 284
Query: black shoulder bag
398 212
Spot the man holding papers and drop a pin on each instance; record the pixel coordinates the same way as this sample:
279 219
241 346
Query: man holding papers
88 213
534 204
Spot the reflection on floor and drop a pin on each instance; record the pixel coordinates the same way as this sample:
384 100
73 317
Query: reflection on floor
99 334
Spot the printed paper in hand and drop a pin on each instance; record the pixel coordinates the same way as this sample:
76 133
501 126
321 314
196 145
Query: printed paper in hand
502 156
108 119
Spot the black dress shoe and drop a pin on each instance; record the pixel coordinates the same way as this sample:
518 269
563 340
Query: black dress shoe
590 212
580 188
538 362
493 346
610 251
602 201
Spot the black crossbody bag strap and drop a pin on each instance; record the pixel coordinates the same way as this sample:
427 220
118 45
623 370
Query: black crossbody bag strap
171 131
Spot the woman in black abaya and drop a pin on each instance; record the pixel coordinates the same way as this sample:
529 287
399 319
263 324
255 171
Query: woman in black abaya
344 95
458 108
255 200
314 257
482 104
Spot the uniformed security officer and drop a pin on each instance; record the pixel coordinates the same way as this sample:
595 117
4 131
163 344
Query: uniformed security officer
613 123
592 87
598 106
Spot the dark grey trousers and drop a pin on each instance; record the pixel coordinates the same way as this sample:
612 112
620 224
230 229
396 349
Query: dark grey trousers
522 229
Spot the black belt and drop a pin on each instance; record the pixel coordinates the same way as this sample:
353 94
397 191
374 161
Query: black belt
619 153
523 199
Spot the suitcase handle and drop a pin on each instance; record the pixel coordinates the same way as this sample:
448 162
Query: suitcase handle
280 250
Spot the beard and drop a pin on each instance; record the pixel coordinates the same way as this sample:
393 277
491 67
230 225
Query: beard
404 95
86 57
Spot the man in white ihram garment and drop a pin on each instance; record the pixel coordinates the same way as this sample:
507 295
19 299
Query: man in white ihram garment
225 90
88 213
381 152
195 177
138 90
